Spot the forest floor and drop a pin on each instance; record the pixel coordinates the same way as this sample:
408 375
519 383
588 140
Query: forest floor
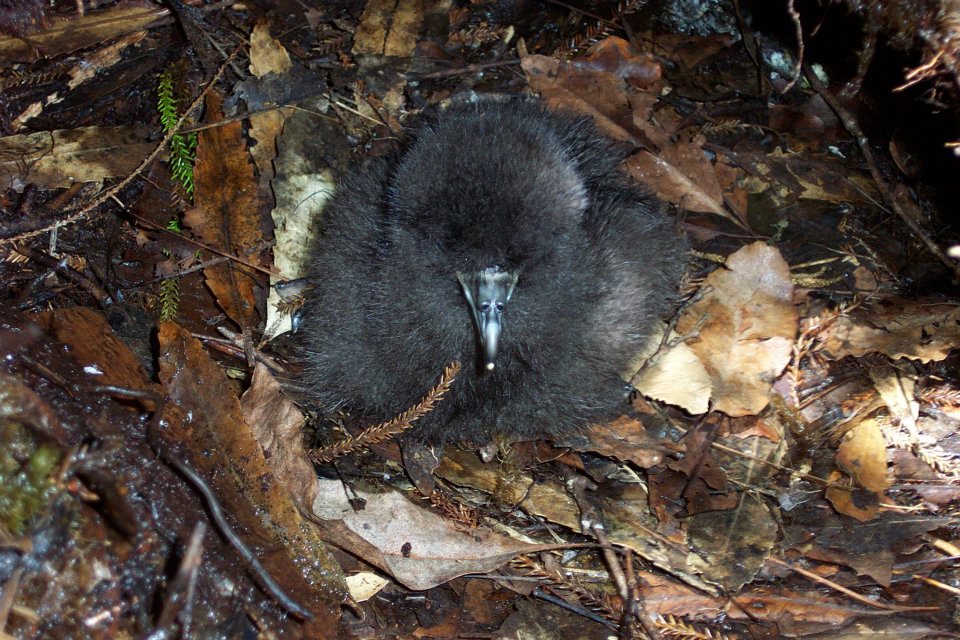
789 464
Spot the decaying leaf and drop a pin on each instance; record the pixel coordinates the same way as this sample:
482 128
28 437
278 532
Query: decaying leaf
226 452
897 388
303 185
628 522
225 214
868 547
792 610
730 547
862 455
68 33
896 328
55 159
744 327
419 548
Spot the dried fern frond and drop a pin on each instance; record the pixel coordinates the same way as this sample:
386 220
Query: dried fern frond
565 586
394 426
673 627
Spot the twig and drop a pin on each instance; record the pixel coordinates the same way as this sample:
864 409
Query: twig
7 597
798 31
210 498
111 193
898 202
205 247
60 266
853 594
470 68
179 600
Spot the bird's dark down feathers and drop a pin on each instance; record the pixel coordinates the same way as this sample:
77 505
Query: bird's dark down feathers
507 185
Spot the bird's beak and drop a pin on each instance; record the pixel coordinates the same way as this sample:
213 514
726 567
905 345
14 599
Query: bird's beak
487 292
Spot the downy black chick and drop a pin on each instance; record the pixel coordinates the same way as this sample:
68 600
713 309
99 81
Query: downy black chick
502 237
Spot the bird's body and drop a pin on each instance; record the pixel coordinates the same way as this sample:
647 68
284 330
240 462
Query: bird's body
500 222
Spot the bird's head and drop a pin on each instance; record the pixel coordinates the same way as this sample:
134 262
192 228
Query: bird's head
487 292
492 202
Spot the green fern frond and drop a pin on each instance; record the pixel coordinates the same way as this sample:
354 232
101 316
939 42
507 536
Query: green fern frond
169 299
183 147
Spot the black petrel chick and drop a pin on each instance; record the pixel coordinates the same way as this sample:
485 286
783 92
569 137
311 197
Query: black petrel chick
502 236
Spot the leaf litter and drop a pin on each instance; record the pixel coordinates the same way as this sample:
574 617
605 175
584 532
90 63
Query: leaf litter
795 430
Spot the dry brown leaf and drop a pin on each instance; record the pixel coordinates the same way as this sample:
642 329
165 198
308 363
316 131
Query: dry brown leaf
70 32
54 159
277 424
614 56
677 377
267 55
897 329
862 455
744 328
419 548
673 185
225 214
226 453
680 173
791 610
388 28
624 438
730 547
542 76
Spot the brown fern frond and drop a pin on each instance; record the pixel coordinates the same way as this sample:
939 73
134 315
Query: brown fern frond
673 627
565 586
382 431
580 41
476 36
31 79
463 517
942 396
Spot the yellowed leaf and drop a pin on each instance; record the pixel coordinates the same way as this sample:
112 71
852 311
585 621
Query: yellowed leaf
677 377
267 55
389 28
863 457
53 159
743 328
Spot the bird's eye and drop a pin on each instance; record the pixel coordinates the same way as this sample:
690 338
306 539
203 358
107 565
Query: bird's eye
499 306
484 306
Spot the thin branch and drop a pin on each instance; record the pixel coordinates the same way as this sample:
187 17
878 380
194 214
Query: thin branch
111 193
